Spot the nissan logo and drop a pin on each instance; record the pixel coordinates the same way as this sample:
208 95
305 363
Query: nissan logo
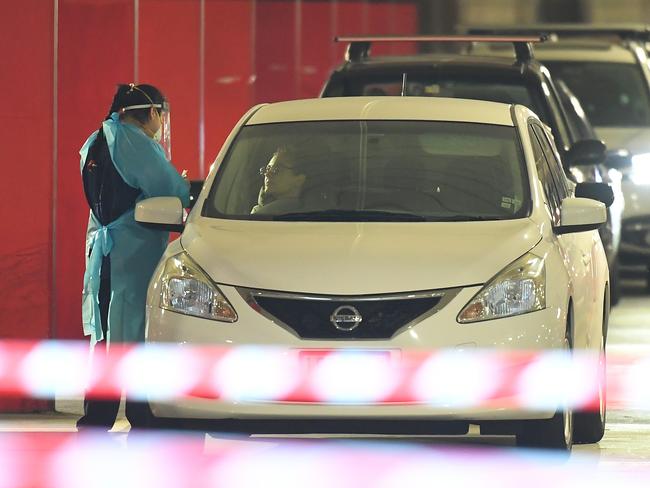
346 318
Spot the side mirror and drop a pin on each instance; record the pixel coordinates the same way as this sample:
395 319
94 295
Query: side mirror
620 160
581 215
587 151
601 192
195 190
161 213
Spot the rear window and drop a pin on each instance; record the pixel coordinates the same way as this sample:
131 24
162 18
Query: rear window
612 94
371 171
423 83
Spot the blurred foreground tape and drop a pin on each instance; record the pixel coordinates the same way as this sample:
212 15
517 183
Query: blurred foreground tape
468 378
175 460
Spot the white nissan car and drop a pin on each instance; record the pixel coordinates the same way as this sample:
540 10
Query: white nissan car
383 225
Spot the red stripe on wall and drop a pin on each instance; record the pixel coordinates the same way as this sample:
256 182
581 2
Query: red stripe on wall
275 51
95 54
228 69
396 19
316 38
26 146
169 60
26 81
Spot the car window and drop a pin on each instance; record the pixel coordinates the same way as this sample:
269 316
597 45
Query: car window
553 160
579 126
553 198
560 130
372 170
612 94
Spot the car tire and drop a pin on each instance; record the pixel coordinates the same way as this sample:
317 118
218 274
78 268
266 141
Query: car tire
589 425
555 433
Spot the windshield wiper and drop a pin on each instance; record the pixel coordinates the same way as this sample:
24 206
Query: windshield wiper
465 218
333 215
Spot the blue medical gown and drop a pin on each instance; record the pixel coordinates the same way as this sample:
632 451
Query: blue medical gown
134 250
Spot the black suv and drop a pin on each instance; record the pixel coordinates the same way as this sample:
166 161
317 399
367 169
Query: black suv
521 80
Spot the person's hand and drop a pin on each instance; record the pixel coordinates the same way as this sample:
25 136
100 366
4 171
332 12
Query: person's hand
184 174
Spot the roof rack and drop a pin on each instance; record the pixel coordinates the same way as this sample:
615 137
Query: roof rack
359 46
638 32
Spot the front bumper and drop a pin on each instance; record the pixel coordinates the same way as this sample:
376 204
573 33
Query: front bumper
535 331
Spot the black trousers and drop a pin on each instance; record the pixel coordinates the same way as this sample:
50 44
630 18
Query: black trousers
102 413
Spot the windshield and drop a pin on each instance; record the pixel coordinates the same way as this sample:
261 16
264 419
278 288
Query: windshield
612 94
388 171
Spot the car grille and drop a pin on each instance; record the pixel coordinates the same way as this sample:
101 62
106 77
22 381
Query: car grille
350 317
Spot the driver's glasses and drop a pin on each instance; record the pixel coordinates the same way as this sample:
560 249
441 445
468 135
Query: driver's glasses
272 169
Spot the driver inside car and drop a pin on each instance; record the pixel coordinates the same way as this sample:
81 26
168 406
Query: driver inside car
284 179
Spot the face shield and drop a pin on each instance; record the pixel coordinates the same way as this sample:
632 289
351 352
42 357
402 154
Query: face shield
163 134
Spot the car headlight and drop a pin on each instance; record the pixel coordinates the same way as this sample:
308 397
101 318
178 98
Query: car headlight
640 170
187 289
519 288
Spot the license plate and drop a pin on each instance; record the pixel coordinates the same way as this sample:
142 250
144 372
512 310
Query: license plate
311 358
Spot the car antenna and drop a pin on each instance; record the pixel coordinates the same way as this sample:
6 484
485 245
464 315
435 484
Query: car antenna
403 84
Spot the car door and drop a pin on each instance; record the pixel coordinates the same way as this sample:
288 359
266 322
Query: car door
578 248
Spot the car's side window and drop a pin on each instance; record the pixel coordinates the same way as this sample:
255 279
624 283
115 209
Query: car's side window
553 199
559 116
554 163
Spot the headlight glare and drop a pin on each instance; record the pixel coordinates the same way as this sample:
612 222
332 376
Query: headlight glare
520 288
640 170
186 289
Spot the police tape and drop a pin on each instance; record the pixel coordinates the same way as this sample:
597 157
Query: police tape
164 460
470 378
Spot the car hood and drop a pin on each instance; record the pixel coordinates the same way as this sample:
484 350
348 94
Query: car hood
634 139
355 258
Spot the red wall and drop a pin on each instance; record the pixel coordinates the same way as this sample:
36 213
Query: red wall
26 84
212 58
26 148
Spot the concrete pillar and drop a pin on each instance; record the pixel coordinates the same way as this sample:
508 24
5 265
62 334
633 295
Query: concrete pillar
473 12
563 11
619 10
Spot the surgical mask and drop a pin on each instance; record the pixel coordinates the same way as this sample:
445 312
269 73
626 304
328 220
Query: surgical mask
158 135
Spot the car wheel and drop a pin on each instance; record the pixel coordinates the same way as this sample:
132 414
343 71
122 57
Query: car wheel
589 425
554 433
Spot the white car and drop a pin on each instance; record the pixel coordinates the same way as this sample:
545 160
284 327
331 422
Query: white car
385 224
608 69
618 103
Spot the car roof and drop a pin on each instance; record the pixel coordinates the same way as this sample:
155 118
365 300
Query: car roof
384 108
570 50
584 50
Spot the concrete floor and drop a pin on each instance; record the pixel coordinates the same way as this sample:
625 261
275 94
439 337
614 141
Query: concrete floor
624 449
